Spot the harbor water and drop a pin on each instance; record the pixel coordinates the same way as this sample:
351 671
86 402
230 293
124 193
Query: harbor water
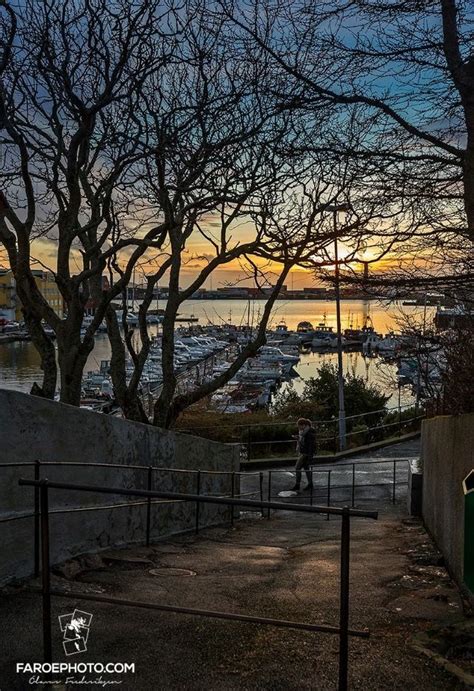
20 363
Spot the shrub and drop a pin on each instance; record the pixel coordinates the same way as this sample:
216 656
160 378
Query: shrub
320 399
360 435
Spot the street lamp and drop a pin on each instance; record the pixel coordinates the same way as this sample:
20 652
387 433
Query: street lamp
340 374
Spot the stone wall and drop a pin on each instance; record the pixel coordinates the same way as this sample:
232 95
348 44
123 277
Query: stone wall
448 455
34 429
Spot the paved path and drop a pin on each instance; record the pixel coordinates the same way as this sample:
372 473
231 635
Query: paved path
283 567
373 477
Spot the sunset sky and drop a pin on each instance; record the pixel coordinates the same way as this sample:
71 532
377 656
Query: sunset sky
45 251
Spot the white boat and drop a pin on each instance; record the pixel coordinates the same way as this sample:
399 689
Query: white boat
295 339
154 319
258 371
271 354
290 349
131 318
87 321
324 336
389 344
11 327
371 343
281 327
329 341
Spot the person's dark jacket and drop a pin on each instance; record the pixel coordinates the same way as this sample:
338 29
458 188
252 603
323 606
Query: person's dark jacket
307 443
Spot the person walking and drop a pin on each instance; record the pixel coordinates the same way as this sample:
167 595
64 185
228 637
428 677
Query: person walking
306 447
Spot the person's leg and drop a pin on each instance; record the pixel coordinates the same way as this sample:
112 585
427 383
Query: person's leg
299 464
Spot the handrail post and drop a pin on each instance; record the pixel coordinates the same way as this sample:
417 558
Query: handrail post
198 491
261 493
329 493
249 443
148 505
232 492
394 488
353 486
344 601
36 536
45 573
269 497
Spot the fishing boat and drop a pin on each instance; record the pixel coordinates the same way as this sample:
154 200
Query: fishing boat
281 327
358 337
324 336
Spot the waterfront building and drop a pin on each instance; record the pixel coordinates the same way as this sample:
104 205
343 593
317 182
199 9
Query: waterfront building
10 305
7 295
91 304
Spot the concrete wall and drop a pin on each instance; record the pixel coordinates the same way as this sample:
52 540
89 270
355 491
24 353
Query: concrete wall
35 429
447 453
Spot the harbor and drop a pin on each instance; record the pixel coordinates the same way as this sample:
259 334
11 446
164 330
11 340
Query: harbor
300 338
236 330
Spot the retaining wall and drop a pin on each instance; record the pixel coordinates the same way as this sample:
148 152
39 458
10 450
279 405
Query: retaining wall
447 451
33 429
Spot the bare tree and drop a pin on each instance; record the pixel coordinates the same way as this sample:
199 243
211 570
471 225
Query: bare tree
458 372
284 235
407 69
71 78
217 166
232 170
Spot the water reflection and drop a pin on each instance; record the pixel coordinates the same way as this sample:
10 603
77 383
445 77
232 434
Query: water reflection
20 363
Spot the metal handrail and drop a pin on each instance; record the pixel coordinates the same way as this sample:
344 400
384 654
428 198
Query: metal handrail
326 487
292 422
343 630
348 434
202 498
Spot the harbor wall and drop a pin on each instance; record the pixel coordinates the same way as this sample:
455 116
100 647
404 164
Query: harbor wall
447 452
33 429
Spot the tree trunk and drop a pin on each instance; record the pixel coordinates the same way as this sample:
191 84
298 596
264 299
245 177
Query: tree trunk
162 414
127 397
468 175
45 347
72 356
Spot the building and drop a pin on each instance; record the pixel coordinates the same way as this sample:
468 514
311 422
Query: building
234 292
315 293
91 304
8 298
10 305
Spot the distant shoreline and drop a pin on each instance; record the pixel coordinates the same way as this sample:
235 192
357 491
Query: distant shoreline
264 298
408 301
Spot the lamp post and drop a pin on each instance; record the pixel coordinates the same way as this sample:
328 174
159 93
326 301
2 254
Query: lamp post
340 373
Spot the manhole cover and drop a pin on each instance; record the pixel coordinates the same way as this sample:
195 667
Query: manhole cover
171 571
